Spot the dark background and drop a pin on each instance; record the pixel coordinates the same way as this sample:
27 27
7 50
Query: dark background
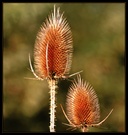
99 50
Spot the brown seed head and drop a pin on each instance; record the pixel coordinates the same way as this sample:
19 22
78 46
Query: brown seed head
53 47
82 105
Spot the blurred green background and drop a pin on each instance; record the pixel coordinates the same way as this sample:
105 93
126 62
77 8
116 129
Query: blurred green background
99 50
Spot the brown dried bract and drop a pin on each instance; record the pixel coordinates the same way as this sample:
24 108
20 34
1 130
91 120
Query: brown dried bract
53 47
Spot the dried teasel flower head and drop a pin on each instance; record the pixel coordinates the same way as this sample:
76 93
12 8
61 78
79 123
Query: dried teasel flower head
82 106
53 47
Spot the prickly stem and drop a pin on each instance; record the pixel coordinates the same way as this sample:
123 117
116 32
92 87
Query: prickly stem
52 86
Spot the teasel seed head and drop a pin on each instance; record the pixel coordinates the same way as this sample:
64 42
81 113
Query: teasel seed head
82 106
53 47
82 103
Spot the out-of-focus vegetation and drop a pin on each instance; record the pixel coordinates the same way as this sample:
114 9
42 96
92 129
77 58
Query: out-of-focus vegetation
99 50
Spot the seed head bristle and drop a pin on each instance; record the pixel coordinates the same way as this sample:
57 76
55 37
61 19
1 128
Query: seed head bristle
82 104
53 47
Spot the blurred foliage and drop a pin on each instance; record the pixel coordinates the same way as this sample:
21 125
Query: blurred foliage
99 50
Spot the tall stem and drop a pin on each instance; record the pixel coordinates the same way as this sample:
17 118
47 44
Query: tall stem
52 86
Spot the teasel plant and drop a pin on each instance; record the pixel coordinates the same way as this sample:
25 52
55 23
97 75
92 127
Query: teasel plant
53 55
82 106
